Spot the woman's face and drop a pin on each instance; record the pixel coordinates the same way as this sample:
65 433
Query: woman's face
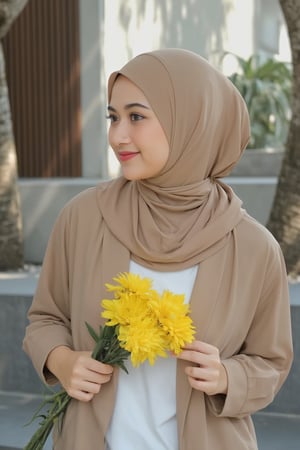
135 133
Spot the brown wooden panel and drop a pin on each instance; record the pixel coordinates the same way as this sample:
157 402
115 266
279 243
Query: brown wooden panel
43 72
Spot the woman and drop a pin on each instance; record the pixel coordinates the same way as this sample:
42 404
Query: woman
177 126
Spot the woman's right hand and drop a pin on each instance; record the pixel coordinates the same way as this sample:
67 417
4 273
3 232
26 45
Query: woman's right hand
79 374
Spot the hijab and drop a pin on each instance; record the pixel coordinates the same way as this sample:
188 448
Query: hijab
185 213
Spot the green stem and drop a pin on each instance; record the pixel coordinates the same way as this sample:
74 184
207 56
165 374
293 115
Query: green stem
59 403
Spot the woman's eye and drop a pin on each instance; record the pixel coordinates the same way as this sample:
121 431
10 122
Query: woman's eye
112 118
135 117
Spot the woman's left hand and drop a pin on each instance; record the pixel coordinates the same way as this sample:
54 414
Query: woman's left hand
208 374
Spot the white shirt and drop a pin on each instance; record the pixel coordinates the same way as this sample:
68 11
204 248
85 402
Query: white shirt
144 414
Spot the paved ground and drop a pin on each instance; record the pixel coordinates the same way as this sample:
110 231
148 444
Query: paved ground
274 432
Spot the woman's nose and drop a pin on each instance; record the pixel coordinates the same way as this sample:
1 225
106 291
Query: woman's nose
119 133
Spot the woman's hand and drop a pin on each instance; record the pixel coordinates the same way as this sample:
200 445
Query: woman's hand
207 374
79 374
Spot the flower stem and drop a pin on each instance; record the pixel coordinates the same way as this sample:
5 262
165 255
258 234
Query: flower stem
59 404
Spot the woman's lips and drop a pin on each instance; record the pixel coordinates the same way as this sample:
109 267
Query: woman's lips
125 156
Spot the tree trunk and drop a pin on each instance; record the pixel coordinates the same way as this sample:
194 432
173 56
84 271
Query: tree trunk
9 10
284 220
11 240
11 254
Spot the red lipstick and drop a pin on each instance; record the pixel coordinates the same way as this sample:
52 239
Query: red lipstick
125 156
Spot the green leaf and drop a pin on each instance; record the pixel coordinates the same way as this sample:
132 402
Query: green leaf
92 332
266 87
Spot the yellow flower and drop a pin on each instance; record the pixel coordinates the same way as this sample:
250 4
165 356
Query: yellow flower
144 340
122 310
172 314
131 295
130 283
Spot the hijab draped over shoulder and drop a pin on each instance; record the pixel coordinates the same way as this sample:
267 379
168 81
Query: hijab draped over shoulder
184 214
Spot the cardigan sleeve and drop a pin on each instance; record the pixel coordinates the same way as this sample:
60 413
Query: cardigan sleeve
257 372
49 321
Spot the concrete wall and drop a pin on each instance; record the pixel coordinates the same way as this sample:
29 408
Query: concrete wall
41 201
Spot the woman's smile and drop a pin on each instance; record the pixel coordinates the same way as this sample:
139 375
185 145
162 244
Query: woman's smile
125 156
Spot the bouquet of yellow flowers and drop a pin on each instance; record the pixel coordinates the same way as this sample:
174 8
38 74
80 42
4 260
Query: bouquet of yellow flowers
140 323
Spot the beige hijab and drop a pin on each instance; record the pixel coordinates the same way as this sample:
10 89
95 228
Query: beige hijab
184 214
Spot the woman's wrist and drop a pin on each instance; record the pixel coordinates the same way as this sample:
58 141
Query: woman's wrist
223 381
56 357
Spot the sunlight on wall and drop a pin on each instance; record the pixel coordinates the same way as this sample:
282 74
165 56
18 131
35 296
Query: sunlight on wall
130 28
284 45
238 32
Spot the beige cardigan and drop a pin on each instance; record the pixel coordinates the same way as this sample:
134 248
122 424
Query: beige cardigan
247 318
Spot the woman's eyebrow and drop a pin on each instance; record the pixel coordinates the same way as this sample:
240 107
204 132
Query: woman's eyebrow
128 106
